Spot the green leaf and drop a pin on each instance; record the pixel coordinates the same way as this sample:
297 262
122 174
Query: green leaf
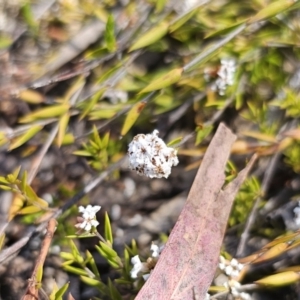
66 255
281 279
54 291
109 34
29 210
75 270
92 263
46 113
15 174
39 274
3 180
28 16
224 31
96 283
150 37
60 293
62 126
110 255
175 141
82 153
183 19
30 194
107 229
75 252
91 104
164 81
19 141
132 116
113 292
5 187
271 10
108 250
105 140
202 133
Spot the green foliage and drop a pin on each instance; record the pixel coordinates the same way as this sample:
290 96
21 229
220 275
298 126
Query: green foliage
292 156
100 151
26 200
84 265
244 201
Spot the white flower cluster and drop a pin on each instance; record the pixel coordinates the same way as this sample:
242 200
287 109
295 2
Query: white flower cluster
88 219
145 267
297 214
225 75
150 156
233 269
234 287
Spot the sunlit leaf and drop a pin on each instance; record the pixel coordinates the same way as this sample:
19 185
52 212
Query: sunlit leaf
92 263
175 141
31 96
132 116
280 279
45 113
150 37
109 34
39 273
95 98
62 126
272 252
17 204
271 10
183 19
60 293
29 210
19 141
224 31
96 283
66 255
163 81
107 229
75 270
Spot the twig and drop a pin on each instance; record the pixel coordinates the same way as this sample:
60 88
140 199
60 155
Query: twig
213 48
38 159
32 291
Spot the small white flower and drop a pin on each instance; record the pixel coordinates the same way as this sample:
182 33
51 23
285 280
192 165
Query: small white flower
225 75
88 219
150 156
207 296
245 296
156 250
138 267
231 268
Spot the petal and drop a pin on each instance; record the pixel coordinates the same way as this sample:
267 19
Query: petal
88 227
94 223
81 209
